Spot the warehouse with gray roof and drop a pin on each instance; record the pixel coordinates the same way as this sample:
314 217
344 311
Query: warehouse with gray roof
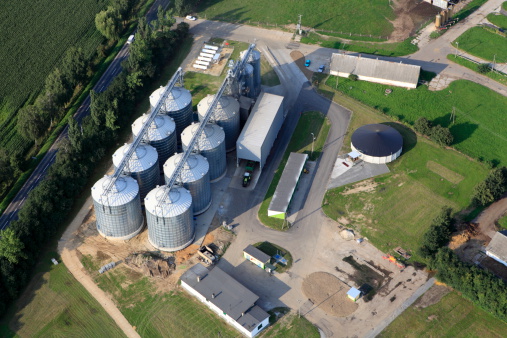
226 297
261 129
375 70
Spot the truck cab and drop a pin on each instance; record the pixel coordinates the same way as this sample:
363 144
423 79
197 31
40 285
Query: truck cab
247 176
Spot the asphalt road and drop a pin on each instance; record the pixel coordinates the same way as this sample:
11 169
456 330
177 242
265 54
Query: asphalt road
40 171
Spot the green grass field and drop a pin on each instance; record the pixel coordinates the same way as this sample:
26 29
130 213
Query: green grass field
453 316
292 326
498 20
35 35
57 305
484 44
371 17
479 121
502 222
300 142
386 49
400 208
498 77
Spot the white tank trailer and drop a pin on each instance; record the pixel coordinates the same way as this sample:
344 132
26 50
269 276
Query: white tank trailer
178 105
142 166
194 177
118 211
255 60
161 135
211 144
226 115
169 217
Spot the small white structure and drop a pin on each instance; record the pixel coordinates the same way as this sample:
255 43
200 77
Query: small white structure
227 298
377 143
354 294
497 248
375 70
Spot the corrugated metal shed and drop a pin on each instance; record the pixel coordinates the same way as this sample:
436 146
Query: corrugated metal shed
375 70
261 128
497 248
287 184
257 254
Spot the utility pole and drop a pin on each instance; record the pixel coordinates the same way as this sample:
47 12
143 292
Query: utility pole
453 115
494 62
313 141
457 45
299 24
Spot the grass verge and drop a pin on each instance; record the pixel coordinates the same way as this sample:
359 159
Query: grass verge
56 304
300 142
498 77
273 249
292 326
502 222
498 20
452 316
469 9
483 43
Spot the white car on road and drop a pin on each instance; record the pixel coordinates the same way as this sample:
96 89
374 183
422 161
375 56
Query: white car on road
191 18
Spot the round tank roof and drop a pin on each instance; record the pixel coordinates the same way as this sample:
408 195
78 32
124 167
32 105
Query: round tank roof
377 140
143 158
226 107
160 202
124 190
161 127
212 136
254 55
178 99
196 167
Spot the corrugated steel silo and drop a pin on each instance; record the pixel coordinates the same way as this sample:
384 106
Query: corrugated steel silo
226 115
248 79
118 212
211 144
195 177
178 105
255 60
169 218
142 166
161 135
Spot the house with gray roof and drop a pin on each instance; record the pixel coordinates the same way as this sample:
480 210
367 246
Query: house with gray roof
375 70
497 248
226 297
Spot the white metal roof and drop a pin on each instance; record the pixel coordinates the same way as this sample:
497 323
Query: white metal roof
196 167
143 158
124 190
161 127
287 184
212 136
179 201
226 107
375 68
177 99
263 113
498 246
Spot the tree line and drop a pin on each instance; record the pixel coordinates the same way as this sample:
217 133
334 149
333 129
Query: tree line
48 205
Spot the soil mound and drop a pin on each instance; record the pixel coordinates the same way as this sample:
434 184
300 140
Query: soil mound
151 265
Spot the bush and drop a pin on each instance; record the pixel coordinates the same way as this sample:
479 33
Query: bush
483 68
438 234
353 77
436 34
423 125
441 135
492 188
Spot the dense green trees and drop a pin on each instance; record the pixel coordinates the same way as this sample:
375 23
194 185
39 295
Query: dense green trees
31 123
492 188
49 203
437 133
438 234
423 125
109 23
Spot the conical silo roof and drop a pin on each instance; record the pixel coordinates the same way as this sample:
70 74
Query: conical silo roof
212 136
163 204
194 169
124 190
179 98
143 158
225 109
161 127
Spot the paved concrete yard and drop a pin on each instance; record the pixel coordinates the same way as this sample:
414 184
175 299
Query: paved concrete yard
343 175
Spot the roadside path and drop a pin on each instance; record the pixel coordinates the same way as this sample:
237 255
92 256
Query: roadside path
379 328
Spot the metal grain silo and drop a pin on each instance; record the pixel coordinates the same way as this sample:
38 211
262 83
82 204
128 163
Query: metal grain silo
255 60
248 79
161 135
178 105
169 218
118 211
211 144
194 177
226 115
142 166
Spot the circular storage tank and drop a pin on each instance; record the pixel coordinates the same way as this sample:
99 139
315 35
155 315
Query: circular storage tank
194 177
178 105
118 213
247 78
169 218
160 135
142 166
255 60
377 143
211 144
226 115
